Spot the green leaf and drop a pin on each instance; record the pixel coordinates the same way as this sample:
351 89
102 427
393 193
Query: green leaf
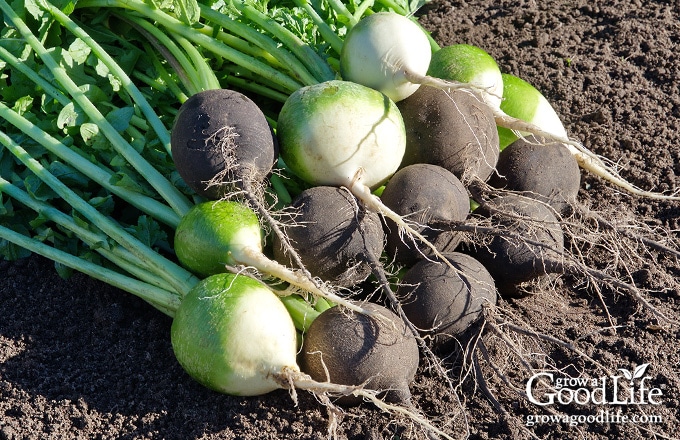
79 51
120 118
187 11
148 231
70 116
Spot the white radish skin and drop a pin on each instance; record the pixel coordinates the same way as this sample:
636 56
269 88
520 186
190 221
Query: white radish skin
329 131
399 46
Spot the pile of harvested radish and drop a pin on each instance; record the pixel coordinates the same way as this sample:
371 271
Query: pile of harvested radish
321 197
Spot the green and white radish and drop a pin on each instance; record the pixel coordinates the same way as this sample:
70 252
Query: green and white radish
217 234
525 110
399 46
523 101
339 133
233 335
469 64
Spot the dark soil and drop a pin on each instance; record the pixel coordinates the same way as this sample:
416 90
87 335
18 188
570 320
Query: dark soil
79 359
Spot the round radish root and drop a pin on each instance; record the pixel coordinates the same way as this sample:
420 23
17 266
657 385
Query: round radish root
211 234
443 302
332 235
469 64
330 131
523 101
546 172
534 249
221 140
232 334
384 36
352 349
453 129
424 193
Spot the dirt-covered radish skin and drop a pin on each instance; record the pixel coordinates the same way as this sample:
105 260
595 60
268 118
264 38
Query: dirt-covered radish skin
332 234
220 137
454 130
357 349
545 171
532 248
424 194
446 303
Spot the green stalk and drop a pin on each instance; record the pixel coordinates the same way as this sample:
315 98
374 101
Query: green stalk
241 45
283 57
158 127
175 26
97 241
165 76
340 9
164 300
248 81
301 311
166 189
362 8
167 47
319 68
166 269
205 73
326 32
146 204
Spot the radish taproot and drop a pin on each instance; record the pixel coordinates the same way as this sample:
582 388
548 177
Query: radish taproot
221 233
332 235
546 172
355 349
446 303
221 142
454 130
424 193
